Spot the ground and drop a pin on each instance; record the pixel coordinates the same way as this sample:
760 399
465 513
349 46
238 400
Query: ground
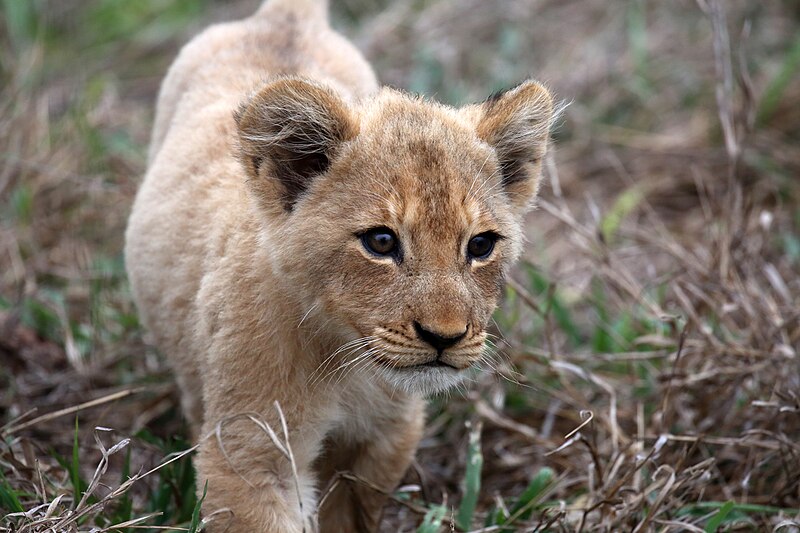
647 376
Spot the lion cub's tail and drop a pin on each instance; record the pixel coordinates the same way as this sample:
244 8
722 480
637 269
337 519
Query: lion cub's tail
312 9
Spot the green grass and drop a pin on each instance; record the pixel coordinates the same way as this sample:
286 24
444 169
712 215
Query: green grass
10 497
433 519
174 496
530 500
553 304
774 94
472 480
194 525
172 499
79 485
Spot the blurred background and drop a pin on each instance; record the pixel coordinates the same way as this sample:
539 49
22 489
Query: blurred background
646 372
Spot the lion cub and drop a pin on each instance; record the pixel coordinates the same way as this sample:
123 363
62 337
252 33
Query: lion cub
305 237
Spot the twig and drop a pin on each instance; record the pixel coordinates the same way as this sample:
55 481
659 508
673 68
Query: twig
74 409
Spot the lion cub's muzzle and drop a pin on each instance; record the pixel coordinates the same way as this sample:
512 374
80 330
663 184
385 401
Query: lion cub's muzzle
423 346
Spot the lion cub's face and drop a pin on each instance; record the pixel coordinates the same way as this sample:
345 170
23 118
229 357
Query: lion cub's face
396 220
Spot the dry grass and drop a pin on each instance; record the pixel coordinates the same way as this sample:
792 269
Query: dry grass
649 342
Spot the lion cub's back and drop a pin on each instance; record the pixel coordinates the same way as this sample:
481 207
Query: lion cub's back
191 189
193 203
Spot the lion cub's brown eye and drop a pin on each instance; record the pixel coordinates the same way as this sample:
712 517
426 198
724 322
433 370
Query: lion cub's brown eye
380 241
481 246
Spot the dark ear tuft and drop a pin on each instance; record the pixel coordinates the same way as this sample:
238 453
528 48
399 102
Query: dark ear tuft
288 133
517 124
497 95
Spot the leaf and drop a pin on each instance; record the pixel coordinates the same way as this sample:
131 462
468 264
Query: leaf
21 203
774 91
42 319
9 501
125 510
75 466
625 203
554 303
530 497
433 520
716 520
533 493
21 22
195 523
472 480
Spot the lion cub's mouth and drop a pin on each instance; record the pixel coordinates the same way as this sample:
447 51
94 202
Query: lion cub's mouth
437 362
424 373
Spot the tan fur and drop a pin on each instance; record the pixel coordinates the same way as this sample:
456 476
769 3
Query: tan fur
273 150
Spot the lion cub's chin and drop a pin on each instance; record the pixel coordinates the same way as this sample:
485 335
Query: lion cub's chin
423 380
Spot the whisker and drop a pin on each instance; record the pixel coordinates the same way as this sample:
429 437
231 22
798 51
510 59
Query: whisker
350 347
481 190
326 363
360 362
351 364
305 316
492 359
477 175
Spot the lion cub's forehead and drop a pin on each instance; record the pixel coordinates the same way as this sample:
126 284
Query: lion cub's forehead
424 165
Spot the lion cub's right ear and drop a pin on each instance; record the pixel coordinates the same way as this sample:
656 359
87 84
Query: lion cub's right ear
289 132
516 123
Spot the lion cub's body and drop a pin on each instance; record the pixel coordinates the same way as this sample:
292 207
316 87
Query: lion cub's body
244 255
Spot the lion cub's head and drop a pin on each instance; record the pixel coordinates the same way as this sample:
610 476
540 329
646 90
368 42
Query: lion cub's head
395 220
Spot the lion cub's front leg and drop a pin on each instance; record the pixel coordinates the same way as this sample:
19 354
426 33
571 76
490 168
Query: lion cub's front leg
381 460
251 485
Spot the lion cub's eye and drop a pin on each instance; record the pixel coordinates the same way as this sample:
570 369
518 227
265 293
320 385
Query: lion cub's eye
481 246
380 241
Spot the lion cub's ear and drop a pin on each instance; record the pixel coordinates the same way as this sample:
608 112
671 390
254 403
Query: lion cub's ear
517 124
288 133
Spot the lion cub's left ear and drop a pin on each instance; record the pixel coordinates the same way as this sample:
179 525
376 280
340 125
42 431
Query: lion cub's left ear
288 133
517 124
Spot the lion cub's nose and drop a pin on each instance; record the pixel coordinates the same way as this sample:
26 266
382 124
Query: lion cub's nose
437 340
